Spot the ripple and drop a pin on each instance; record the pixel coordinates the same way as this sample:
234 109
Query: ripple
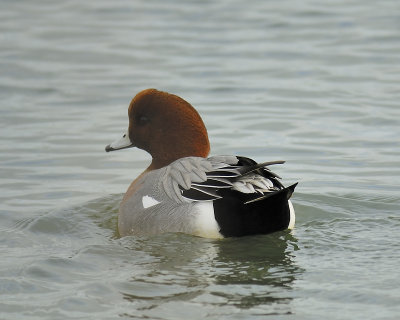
314 84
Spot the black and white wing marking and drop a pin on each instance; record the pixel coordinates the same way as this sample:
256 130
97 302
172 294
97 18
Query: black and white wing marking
181 174
199 179
218 178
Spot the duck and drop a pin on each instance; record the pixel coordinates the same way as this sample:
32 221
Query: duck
184 190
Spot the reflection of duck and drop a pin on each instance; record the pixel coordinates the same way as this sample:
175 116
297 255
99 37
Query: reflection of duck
182 190
268 253
257 270
251 272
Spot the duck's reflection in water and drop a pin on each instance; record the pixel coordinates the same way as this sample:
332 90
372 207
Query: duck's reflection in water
256 270
242 273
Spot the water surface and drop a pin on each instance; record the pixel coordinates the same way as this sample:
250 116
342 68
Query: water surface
312 83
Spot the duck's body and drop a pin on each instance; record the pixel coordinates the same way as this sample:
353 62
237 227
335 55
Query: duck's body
183 190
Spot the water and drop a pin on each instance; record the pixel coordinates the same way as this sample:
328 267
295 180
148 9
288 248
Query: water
311 82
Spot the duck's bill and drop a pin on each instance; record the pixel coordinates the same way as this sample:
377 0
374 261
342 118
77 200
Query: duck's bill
121 143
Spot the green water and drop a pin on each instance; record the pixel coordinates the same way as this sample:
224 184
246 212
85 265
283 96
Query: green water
312 83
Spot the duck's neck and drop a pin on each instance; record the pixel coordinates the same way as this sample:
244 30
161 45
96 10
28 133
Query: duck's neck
164 155
155 164
158 163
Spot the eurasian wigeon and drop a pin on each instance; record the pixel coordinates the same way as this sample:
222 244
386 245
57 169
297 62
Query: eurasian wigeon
184 191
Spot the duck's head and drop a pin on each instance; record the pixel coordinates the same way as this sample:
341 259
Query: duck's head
164 125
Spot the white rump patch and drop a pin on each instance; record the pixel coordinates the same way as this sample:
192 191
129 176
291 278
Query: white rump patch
292 216
149 202
206 225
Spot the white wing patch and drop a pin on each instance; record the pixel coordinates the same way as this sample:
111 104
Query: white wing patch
149 202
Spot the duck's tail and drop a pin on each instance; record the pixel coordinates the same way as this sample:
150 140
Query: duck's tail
238 217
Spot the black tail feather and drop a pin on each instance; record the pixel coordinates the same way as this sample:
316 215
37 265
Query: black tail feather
237 218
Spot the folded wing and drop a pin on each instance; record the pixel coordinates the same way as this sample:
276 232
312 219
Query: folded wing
200 179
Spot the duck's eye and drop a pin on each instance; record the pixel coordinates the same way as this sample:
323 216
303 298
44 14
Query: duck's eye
143 119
